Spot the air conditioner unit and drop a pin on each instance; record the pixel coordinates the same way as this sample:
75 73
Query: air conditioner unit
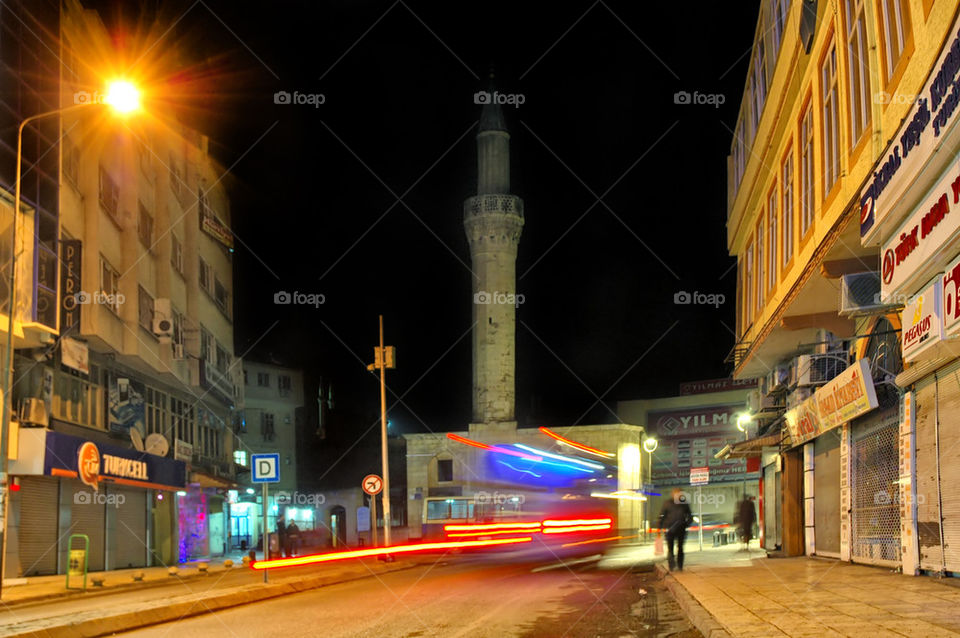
163 320
798 396
814 369
757 403
33 411
777 379
179 352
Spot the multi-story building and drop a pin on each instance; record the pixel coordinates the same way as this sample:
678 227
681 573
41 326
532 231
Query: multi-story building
274 415
125 391
839 190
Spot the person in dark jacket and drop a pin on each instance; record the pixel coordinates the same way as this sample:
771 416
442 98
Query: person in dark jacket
746 517
281 537
293 538
675 517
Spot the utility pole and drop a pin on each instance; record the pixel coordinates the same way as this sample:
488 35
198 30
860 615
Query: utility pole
384 357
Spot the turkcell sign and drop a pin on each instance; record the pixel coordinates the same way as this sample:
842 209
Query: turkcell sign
922 322
910 256
932 115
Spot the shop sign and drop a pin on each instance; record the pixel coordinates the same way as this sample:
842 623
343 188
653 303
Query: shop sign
75 354
126 397
93 463
951 297
934 224
922 321
716 385
847 396
218 230
182 451
69 284
933 113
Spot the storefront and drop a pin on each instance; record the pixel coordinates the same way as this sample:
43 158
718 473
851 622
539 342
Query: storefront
119 498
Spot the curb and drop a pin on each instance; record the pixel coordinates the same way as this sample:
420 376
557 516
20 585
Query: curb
233 597
702 619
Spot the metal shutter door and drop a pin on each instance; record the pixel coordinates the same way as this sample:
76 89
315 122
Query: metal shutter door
875 500
826 491
131 531
39 505
928 508
948 403
771 501
88 517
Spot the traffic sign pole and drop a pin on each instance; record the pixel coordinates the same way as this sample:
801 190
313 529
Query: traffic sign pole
700 510
384 447
266 530
373 515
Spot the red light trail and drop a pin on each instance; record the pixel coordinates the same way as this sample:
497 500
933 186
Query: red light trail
574 444
492 448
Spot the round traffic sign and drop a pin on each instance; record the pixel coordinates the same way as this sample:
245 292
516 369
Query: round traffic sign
372 484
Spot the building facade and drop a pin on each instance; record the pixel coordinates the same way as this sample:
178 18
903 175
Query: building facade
274 413
839 190
125 403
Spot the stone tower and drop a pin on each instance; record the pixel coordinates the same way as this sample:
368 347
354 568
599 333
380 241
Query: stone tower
493 219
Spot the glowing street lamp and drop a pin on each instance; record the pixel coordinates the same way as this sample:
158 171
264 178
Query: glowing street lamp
123 98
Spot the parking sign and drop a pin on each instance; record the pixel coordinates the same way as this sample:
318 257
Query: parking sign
266 467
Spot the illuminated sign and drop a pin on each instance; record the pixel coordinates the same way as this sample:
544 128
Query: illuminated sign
93 463
951 297
934 112
908 254
848 395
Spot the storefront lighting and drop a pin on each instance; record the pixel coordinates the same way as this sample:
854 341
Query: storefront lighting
181 493
250 490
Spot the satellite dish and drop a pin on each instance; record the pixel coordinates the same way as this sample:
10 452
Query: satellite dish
157 444
137 439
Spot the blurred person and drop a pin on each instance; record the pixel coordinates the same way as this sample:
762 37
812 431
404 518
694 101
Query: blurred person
282 537
746 517
675 517
293 538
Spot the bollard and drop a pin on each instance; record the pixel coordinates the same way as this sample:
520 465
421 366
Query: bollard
203 567
98 580
138 576
228 563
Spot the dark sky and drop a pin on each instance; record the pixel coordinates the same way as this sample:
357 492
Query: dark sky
311 188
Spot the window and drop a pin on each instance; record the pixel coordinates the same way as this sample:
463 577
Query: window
266 426
806 171
145 226
145 309
739 155
748 283
245 380
772 237
176 254
759 81
759 281
223 359
831 130
778 16
444 470
182 420
859 60
207 346
240 457
221 296
109 194
178 321
143 153
76 399
109 285
176 177
206 275
284 385
895 24
155 410
263 379
71 162
786 209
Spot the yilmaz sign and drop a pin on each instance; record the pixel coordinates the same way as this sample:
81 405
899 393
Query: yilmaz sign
691 439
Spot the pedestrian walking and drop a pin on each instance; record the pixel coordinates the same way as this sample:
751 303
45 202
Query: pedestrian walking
675 517
746 517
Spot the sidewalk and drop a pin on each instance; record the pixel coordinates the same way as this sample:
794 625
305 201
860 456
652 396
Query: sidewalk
731 593
163 598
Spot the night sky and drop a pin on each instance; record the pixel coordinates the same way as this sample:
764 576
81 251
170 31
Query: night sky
315 190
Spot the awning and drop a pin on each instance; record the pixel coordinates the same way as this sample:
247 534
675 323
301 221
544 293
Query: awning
207 480
750 447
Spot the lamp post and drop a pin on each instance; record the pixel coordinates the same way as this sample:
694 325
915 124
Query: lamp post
123 98
649 446
384 359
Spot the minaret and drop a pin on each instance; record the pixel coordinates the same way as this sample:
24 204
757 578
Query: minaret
493 220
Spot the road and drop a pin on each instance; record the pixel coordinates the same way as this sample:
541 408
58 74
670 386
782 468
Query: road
460 596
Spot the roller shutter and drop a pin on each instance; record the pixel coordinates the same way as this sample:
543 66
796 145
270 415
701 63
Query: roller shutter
948 400
130 534
87 516
771 507
826 490
928 507
875 497
39 506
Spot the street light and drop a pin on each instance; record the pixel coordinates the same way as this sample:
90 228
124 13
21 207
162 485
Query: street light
123 98
650 445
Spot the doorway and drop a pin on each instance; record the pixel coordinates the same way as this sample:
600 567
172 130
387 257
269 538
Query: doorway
338 526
